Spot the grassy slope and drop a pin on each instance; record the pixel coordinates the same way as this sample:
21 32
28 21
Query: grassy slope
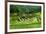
28 23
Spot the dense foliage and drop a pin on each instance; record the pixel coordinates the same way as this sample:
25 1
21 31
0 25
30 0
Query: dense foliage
24 8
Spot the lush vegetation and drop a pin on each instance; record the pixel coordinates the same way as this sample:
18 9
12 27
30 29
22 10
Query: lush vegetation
25 16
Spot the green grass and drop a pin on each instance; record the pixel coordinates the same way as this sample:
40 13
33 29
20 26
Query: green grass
22 26
27 23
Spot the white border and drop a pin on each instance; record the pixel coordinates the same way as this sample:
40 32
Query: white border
8 14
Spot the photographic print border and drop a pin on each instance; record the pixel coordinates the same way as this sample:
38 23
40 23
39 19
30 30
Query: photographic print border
6 1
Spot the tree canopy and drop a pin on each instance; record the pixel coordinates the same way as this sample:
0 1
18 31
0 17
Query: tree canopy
24 9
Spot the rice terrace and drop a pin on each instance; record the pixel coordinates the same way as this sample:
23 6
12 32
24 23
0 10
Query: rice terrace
25 16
